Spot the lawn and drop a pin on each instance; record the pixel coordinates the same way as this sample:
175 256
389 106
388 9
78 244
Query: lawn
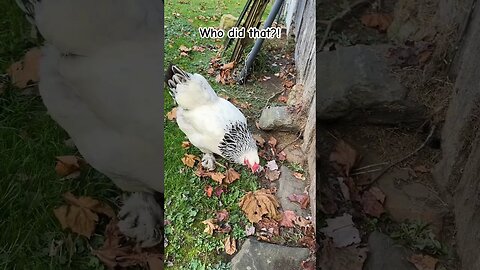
186 202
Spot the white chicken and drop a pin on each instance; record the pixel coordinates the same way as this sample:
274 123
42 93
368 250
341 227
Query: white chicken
99 79
211 123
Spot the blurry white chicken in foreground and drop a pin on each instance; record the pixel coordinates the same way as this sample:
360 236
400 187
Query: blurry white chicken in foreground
210 122
99 79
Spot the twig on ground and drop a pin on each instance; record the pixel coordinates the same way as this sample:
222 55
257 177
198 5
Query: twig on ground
272 96
290 143
369 166
364 172
339 16
386 169
220 164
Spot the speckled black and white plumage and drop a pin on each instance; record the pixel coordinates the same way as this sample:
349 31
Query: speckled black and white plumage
237 140
211 123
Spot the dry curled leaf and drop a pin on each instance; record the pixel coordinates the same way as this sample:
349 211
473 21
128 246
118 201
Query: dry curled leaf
259 204
299 176
259 139
184 48
421 169
423 262
172 115
379 21
272 141
210 226
208 191
81 214
272 175
231 175
186 144
25 72
198 48
228 66
230 245
217 177
269 227
67 165
222 215
343 157
189 160
302 199
371 205
288 218
378 193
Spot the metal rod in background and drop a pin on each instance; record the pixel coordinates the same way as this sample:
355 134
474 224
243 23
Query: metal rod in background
258 43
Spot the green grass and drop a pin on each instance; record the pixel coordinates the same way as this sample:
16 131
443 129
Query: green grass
186 203
29 187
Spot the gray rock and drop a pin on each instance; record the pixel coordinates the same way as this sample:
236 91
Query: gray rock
255 255
355 82
288 185
412 201
278 118
385 254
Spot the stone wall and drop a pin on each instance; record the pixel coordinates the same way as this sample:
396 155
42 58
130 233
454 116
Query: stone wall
306 73
458 172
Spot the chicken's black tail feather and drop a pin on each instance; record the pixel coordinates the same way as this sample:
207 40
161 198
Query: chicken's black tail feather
28 7
175 76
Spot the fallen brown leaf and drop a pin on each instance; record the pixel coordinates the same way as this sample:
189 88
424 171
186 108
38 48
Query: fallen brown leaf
66 165
299 176
343 157
228 66
423 262
421 169
259 139
379 21
172 115
272 141
189 160
282 156
184 48
371 205
208 191
272 175
378 193
25 72
288 217
258 204
217 177
302 199
230 245
222 215
80 214
198 48
186 144
269 226
231 175
211 226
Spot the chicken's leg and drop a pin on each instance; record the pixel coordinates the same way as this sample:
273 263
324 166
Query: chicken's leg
208 161
141 218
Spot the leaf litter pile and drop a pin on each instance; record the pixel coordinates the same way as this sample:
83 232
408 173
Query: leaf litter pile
85 215
349 199
260 207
